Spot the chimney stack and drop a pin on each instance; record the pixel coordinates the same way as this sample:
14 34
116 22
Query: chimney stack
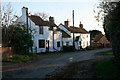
24 10
66 23
25 13
51 19
81 25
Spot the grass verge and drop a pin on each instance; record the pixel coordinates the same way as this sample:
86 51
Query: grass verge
23 58
108 53
19 58
107 70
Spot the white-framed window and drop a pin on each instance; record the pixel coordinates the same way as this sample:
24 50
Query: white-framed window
41 43
67 43
41 30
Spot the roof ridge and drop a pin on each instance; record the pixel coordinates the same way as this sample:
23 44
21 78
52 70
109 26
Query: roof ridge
39 21
37 16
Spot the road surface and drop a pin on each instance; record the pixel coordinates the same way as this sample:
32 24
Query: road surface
40 68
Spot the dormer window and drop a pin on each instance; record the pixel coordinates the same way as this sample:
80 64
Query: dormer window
40 30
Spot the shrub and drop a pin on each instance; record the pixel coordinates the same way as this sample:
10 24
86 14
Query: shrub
68 48
96 45
17 37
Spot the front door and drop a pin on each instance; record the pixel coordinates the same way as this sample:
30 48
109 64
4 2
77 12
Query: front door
47 45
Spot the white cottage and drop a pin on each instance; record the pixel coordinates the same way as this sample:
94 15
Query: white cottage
46 35
81 36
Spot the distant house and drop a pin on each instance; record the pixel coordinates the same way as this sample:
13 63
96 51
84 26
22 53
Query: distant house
46 35
81 36
100 38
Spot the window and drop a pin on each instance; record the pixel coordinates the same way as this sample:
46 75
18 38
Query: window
58 44
51 28
40 30
84 44
41 43
67 43
55 31
87 36
87 43
80 43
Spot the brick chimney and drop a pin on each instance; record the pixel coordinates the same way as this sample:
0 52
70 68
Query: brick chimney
80 25
51 19
66 23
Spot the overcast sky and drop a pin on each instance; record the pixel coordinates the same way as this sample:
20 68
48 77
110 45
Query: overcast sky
61 10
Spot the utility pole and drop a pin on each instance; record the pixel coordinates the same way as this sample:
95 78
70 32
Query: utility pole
73 30
0 15
0 28
27 29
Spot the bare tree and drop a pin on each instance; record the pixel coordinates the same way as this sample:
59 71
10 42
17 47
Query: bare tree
7 16
43 15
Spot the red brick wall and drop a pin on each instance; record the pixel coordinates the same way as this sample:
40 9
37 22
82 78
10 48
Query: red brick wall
105 41
6 51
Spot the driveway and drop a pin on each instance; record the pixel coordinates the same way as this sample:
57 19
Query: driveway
40 68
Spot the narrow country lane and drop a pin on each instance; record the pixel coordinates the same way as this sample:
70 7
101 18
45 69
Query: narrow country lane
40 68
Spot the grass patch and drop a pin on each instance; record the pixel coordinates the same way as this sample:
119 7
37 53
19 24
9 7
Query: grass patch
23 58
108 53
107 70
18 58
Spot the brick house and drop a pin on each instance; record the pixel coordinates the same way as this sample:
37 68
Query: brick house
100 38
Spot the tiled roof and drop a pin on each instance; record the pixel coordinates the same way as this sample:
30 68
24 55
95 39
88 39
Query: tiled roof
75 29
65 35
98 37
65 27
78 30
39 21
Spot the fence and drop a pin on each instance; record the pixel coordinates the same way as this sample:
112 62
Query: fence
6 51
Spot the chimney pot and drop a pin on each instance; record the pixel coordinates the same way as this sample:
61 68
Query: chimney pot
66 23
51 19
81 25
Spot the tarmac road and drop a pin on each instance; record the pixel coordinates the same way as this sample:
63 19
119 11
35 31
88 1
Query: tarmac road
40 68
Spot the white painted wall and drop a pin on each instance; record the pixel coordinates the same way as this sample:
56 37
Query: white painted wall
84 38
70 40
43 36
58 37
36 35
47 35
